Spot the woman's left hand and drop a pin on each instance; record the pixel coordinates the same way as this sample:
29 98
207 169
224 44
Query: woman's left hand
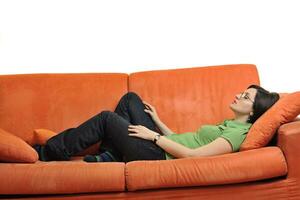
141 132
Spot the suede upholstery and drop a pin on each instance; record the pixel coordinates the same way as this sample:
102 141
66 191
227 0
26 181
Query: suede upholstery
185 99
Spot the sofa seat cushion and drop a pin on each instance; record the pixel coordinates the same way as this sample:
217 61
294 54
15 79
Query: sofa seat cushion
61 177
252 165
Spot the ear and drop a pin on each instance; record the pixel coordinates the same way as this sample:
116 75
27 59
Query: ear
250 115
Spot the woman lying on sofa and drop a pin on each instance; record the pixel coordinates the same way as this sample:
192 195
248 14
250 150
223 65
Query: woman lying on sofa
130 132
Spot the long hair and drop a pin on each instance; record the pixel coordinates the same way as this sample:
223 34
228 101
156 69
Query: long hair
262 102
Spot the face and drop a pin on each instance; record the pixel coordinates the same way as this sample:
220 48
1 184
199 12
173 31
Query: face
243 104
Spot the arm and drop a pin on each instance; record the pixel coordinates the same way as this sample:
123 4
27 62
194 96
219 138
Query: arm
216 147
161 126
175 149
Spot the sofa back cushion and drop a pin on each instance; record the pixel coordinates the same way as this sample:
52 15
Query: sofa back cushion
187 98
56 101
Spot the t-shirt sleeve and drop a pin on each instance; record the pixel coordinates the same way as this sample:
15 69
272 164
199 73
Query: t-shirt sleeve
235 137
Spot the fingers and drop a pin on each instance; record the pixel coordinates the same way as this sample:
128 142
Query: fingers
147 104
147 111
134 128
131 128
147 107
133 131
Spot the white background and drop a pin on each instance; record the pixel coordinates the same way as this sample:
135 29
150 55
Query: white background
61 36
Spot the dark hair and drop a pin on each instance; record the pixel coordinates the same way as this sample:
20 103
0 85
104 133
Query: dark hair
262 102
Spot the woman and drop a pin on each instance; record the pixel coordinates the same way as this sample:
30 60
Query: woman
130 132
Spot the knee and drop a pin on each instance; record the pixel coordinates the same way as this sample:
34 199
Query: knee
108 117
133 95
105 113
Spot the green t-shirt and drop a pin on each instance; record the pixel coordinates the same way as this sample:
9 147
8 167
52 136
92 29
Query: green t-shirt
234 132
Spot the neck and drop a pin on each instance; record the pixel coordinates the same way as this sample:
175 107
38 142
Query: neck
241 118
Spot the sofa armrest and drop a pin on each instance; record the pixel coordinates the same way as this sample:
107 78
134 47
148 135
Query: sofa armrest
289 142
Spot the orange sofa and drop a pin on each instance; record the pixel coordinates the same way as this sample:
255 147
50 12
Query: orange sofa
185 99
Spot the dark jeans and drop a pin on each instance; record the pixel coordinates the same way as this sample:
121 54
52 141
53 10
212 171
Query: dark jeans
112 129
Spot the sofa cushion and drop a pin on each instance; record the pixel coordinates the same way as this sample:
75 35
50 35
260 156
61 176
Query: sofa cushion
236 167
62 177
187 98
42 135
14 149
284 110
